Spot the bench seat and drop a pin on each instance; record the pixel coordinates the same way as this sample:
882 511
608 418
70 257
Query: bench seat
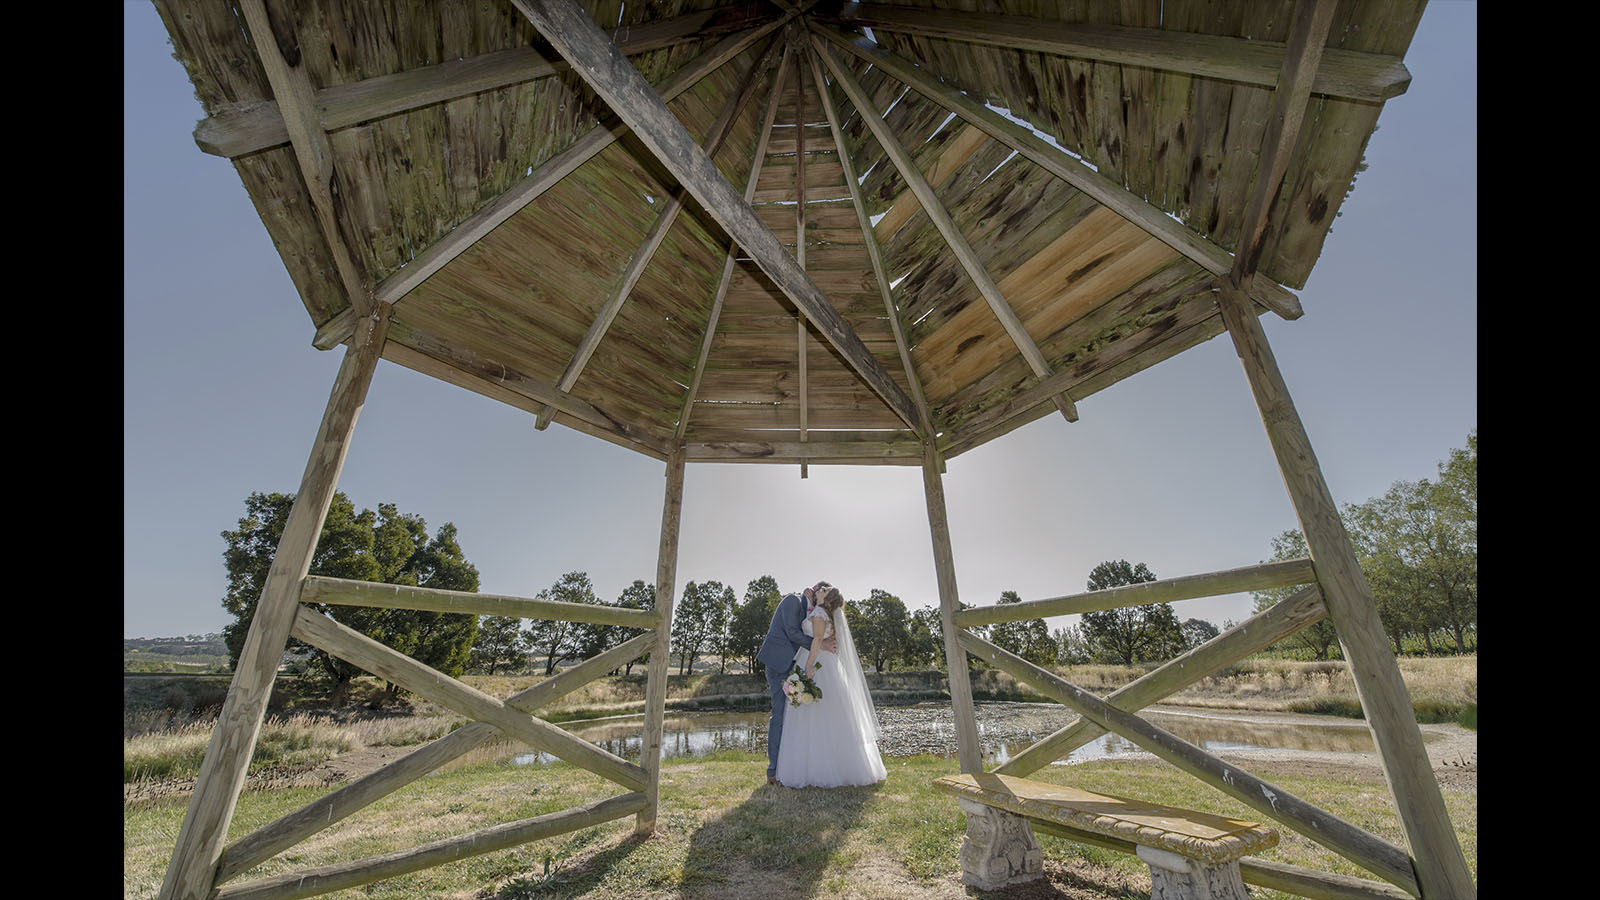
1190 853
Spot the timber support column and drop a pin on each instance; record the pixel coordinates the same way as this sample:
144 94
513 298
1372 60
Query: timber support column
192 871
1436 855
955 655
655 691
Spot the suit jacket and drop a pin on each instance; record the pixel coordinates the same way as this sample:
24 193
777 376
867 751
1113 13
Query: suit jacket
785 636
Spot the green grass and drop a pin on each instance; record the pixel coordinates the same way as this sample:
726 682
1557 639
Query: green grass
1468 717
719 826
1427 711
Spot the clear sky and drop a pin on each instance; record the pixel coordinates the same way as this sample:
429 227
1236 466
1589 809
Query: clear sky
223 392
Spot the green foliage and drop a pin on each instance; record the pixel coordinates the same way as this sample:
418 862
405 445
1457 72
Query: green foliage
501 641
751 618
1132 634
387 546
924 645
553 639
638 595
1029 639
1196 632
699 621
879 626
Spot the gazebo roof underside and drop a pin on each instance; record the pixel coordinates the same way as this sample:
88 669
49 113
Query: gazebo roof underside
444 117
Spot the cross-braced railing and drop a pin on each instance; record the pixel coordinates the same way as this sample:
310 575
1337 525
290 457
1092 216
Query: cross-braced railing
1115 713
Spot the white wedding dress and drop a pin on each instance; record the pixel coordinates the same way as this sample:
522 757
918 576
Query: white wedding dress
832 742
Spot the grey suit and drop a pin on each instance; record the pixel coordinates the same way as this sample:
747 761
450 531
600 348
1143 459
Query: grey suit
785 638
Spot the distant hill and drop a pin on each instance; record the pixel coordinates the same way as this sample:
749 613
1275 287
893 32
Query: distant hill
199 653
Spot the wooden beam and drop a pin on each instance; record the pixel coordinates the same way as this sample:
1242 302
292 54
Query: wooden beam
1361 847
949 601
721 293
880 272
442 359
655 688
290 829
1059 163
1308 36
908 452
658 233
313 151
1441 867
1260 577
191 873
1348 75
1253 634
549 173
577 38
975 269
346 592
797 44
325 879
244 128
359 650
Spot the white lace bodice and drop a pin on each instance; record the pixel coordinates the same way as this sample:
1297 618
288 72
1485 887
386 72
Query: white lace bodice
810 629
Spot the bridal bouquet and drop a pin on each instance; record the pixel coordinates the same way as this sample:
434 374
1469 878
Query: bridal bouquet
799 687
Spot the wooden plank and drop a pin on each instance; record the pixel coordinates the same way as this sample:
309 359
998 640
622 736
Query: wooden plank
949 602
1441 867
292 89
646 251
290 829
1253 634
797 42
1259 577
576 37
1369 77
248 127
191 873
655 691
957 242
397 285
819 451
359 650
323 879
346 592
1359 846
1146 215
1308 37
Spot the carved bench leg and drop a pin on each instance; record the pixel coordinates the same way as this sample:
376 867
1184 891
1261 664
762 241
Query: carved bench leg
1174 877
1000 848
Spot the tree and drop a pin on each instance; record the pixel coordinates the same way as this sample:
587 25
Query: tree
1196 632
924 646
1131 634
386 546
1318 637
638 595
555 639
699 621
500 642
878 625
751 618
1071 647
1029 638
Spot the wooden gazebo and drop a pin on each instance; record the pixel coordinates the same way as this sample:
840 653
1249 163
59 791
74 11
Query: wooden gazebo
801 233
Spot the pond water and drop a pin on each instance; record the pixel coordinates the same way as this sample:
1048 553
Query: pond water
1003 729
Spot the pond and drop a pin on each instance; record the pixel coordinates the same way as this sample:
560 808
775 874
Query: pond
1003 729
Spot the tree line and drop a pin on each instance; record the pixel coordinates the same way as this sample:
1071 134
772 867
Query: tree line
1417 546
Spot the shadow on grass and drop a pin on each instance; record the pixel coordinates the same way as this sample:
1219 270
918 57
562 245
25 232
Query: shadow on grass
774 846
560 880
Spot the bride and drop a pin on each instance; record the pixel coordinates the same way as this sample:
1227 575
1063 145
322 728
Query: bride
834 741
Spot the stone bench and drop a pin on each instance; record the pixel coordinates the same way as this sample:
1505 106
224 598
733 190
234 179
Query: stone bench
1192 855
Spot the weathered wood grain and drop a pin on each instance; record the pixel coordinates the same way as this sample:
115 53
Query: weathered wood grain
655 692
345 592
949 602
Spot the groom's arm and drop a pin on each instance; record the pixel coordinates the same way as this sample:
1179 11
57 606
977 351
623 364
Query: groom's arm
791 620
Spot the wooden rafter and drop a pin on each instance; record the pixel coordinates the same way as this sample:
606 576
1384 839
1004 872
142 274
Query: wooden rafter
245 128
1308 36
312 150
880 272
721 293
953 237
797 42
658 233
1348 75
577 38
458 240
1057 162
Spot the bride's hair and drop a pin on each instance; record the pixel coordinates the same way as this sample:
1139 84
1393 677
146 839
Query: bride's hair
830 599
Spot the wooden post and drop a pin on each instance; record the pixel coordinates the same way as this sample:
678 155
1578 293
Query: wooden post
955 657
192 870
1441 868
655 691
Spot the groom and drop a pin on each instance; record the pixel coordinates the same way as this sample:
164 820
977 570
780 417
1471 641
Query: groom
784 639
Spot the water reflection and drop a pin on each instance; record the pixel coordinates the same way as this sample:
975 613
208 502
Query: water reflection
1003 730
